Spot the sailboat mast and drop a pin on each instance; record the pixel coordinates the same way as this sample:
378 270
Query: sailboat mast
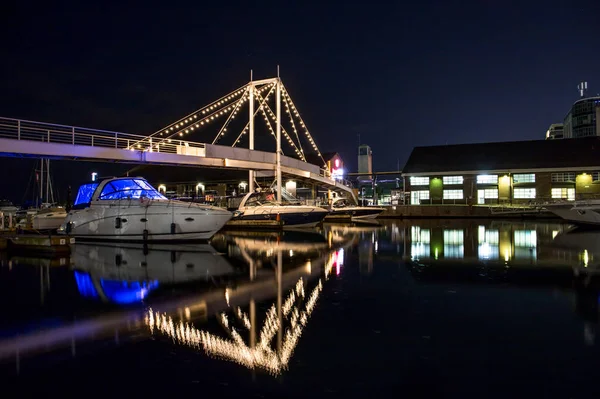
278 154
41 198
47 180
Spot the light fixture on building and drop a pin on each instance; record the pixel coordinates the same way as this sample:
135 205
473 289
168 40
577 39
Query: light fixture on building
94 176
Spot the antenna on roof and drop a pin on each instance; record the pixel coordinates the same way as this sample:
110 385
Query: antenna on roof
582 87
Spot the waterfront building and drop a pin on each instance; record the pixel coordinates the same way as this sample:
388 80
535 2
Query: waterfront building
365 162
504 172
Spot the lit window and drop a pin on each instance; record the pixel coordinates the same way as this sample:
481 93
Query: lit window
417 196
419 181
453 194
563 177
596 176
488 193
524 178
487 179
564 193
521 193
452 180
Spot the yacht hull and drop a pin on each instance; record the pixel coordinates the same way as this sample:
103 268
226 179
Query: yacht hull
134 220
292 217
50 221
576 215
357 212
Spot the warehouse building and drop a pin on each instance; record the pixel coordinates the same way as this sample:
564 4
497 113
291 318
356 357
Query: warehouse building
504 173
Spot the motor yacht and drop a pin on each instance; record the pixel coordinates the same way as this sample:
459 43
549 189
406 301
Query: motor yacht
263 206
585 212
130 209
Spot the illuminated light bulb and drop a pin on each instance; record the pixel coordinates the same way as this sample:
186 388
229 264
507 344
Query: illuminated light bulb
181 134
196 125
203 112
195 116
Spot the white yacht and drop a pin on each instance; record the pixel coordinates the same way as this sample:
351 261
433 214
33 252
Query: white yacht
263 206
49 217
341 207
578 212
130 209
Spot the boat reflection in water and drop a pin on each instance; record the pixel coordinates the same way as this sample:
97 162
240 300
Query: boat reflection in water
288 270
296 293
128 273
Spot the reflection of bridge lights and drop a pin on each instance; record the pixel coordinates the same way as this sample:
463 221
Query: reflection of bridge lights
259 356
586 258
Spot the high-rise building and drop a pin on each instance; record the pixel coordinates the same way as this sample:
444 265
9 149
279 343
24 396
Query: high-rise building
583 119
555 131
365 162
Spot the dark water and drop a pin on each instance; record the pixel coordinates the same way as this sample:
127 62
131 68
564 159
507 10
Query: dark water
412 309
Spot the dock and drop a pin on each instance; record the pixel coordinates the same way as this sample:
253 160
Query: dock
254 225
36 244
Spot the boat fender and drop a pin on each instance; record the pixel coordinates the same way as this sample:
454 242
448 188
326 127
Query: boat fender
118 259
173 256
145 234
69 227
173 227
145 249
118 223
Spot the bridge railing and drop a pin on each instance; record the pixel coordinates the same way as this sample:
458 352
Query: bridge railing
20 129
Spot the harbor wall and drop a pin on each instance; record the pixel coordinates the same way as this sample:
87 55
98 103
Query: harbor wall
457 211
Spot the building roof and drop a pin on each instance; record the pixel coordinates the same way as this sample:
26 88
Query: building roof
510 155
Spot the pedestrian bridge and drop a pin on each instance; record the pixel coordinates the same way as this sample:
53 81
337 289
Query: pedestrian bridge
22 138
172 146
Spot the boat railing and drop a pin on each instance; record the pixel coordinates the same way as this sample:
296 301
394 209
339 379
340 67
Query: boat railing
21 129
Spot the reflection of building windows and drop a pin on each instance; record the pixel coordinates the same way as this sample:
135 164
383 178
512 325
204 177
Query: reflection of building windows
454 237
452 180
562 177
417 196
487 179
419 181
595 176
524 178
525 244
525 238
419 250
454 251
520 193
453 194
563 193
420 235
488 243
454 244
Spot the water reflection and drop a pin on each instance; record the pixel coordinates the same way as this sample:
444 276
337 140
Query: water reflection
127 274
249 297
289 269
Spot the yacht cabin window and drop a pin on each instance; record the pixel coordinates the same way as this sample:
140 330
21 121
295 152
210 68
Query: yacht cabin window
129 189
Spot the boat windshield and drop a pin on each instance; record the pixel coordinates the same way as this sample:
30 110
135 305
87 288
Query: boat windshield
129 189
341 203
84 195
270 198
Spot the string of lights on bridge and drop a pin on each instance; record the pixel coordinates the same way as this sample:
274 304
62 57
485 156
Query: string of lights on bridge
230 105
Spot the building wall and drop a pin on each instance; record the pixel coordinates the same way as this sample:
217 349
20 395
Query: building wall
509 188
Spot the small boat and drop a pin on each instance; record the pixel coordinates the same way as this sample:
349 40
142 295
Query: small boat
130 209
262 206
48 218
340 207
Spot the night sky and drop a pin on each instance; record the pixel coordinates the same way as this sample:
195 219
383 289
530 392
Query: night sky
400 74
